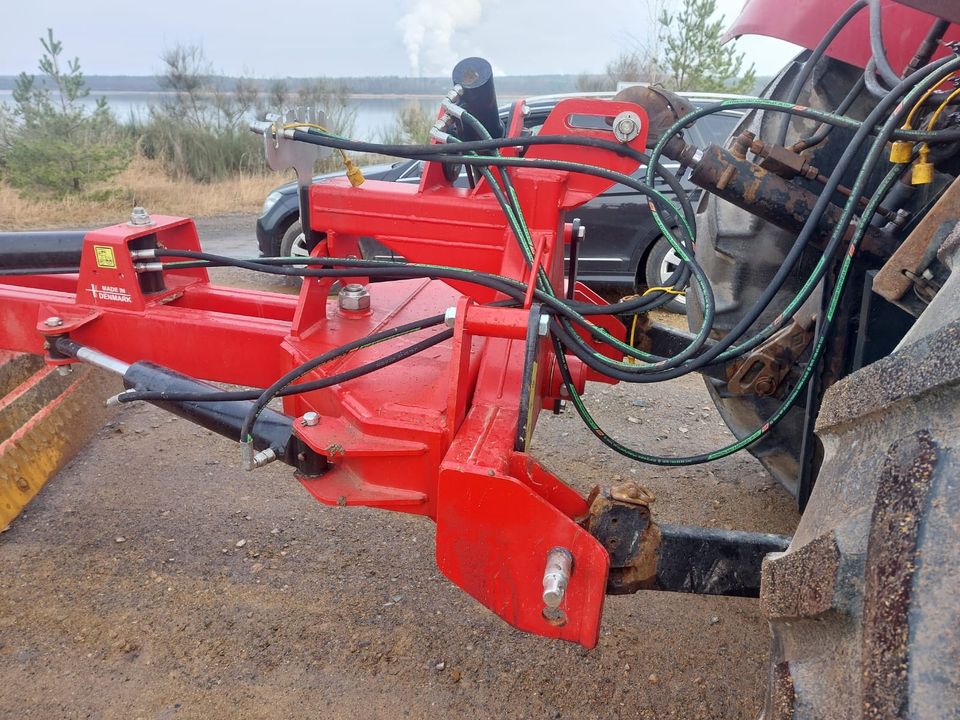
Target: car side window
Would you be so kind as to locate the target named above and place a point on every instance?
(717, 127)
(412, 174)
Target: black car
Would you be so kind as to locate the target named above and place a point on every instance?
(623, 248)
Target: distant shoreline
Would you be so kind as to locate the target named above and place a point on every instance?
(392, 97)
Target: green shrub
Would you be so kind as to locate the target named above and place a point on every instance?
(199, 153)
(54, 145)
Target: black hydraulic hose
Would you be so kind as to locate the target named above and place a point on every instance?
(271, 392)
(806, 233)
(825, 129)
(388, 269)
(338, 378)
(809, 65)
(385, 269)
(877, 50)
(881, 109)
(871, 82)
(679, 276)
(452, 152)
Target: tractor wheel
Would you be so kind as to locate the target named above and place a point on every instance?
(864, 606)
(740, 253)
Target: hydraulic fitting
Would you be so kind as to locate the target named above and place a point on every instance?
(901, 151)
(923, 169)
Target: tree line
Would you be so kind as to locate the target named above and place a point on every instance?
(53, 141)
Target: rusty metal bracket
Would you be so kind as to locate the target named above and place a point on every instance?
(677, 558)
(763, 370)
(915, 254)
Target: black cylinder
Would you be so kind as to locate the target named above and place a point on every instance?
(41, 250)
(475, 76)
(272, 429)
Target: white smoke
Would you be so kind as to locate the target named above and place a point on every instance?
(428, 30)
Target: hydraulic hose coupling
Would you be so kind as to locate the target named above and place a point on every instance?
(252, 460)
(440, 136)
(556, 575)
(246, 454)
(452, 109)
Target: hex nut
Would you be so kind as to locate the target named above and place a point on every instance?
(354, 297)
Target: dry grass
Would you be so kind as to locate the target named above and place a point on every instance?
(142, 183)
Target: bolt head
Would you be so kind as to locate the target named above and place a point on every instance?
(354, 297)
(139, 217)
(450, 317)
(53, 321)
(310, 419)
(626, 126)
(544, 325)
(765, 385)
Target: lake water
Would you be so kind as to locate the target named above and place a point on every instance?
(373, 116)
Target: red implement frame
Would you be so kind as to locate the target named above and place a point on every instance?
(434, 435)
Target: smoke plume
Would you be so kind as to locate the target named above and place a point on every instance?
(428, 30)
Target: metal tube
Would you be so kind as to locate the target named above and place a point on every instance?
(38, 250)
(92, 357)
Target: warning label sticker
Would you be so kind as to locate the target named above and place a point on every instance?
(104, 256)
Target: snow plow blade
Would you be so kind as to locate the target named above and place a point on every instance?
(45, 418)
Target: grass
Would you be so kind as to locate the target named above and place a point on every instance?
(144, 183)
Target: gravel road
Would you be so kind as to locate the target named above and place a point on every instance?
(152, 578)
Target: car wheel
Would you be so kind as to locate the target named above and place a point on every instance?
(662, 261)
(294, 244)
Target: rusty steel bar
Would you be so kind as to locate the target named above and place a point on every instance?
(770, 197)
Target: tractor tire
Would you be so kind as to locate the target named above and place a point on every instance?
(864, 606)
(740, 253)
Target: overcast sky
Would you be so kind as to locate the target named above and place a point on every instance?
(357, 37)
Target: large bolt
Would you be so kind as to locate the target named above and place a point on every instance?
(140, 217)
(626, 126)
(765, 385)
(556, 575)
(354, 297)
(310, 419)
(53, 321)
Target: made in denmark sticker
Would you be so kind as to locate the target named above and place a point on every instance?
(111, 293)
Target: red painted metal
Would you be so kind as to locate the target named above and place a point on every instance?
(808, 21)
(433, 435)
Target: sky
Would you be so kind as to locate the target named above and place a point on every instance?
(353, 38)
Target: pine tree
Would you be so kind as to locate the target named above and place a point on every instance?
(693, 56)
(55, 144)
